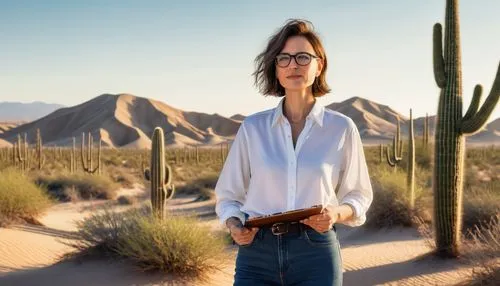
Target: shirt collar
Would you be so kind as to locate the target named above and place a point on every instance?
(317, 113)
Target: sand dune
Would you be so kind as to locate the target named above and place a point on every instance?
(4, 126)
(4, 143)
(125, 120)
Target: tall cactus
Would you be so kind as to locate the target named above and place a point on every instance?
(22, 152)
(72, 157)
(381, 153)
(87, 162)
(160, 175)
(451, 127)
(397, 149)
(39, 150)
(425, 135)
(410, 179)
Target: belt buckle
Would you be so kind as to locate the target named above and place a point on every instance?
(279, 228)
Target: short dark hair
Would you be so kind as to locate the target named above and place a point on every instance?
(265, 71)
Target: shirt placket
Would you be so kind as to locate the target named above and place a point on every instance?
(292, 155)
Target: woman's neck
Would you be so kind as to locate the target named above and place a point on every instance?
(297, 105)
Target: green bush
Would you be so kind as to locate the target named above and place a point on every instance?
(391, 204)
(481, 202)
(20, 198)
(174, 245)
(86, 186)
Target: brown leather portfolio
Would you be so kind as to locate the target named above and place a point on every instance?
(288, 216)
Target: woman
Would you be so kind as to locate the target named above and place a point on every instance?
(294, 156)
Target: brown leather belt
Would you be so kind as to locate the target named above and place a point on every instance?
(286, 227)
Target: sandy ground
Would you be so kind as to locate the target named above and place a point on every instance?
(28, 254)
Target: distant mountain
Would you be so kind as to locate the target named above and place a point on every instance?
(238, 117)
(374, 120)
(4, 126)
(125, 120)
(377, 122)
(489, 135)
(17, 111)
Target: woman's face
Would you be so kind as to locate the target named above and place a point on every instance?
(295, 77)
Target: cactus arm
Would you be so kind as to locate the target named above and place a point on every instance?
(168, 175)
(474, 105)
(170, 192)
(439, 73)
(474, 123)
(389, 161)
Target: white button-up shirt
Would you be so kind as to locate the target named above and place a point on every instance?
(264, 173)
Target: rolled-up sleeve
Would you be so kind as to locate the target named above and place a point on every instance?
(234, 179)
(355, 186)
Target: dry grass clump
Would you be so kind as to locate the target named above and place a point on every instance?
(391, 203)
(177, 244)
(66, 186)
(483, 252)
(20, 198)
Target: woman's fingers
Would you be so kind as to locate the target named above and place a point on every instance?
(244, 235)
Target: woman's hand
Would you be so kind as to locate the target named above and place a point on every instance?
(241, 235)
(324, 221)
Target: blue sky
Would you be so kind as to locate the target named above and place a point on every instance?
(198, 55)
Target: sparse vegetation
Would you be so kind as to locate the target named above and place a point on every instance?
(127, 200)
(20, 198)
(483, 252)
(170, 245)
(391, 203)
(66, 186)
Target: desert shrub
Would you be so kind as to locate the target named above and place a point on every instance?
(126, 200)
(87, 186)
(122, 176)
(391, 204)
(174, 245)
(20, 198)
(482, 251)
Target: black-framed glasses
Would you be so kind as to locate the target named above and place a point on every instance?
(302, 59)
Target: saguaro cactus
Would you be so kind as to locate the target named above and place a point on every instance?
(87, 162)
(451, 127)
(397, 149)
(22, 152)
(410, 178)
(425, 135)
(381, 153)
(72, 157)
(39, 150)
(160, 175)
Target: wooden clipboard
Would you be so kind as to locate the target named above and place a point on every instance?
(288, 216)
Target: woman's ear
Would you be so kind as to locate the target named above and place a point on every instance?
(320, 67)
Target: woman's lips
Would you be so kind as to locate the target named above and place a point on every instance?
(294, 76)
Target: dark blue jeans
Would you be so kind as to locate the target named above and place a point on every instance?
(308, 258)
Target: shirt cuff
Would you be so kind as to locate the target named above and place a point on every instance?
(359, 216)
(230, 213)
